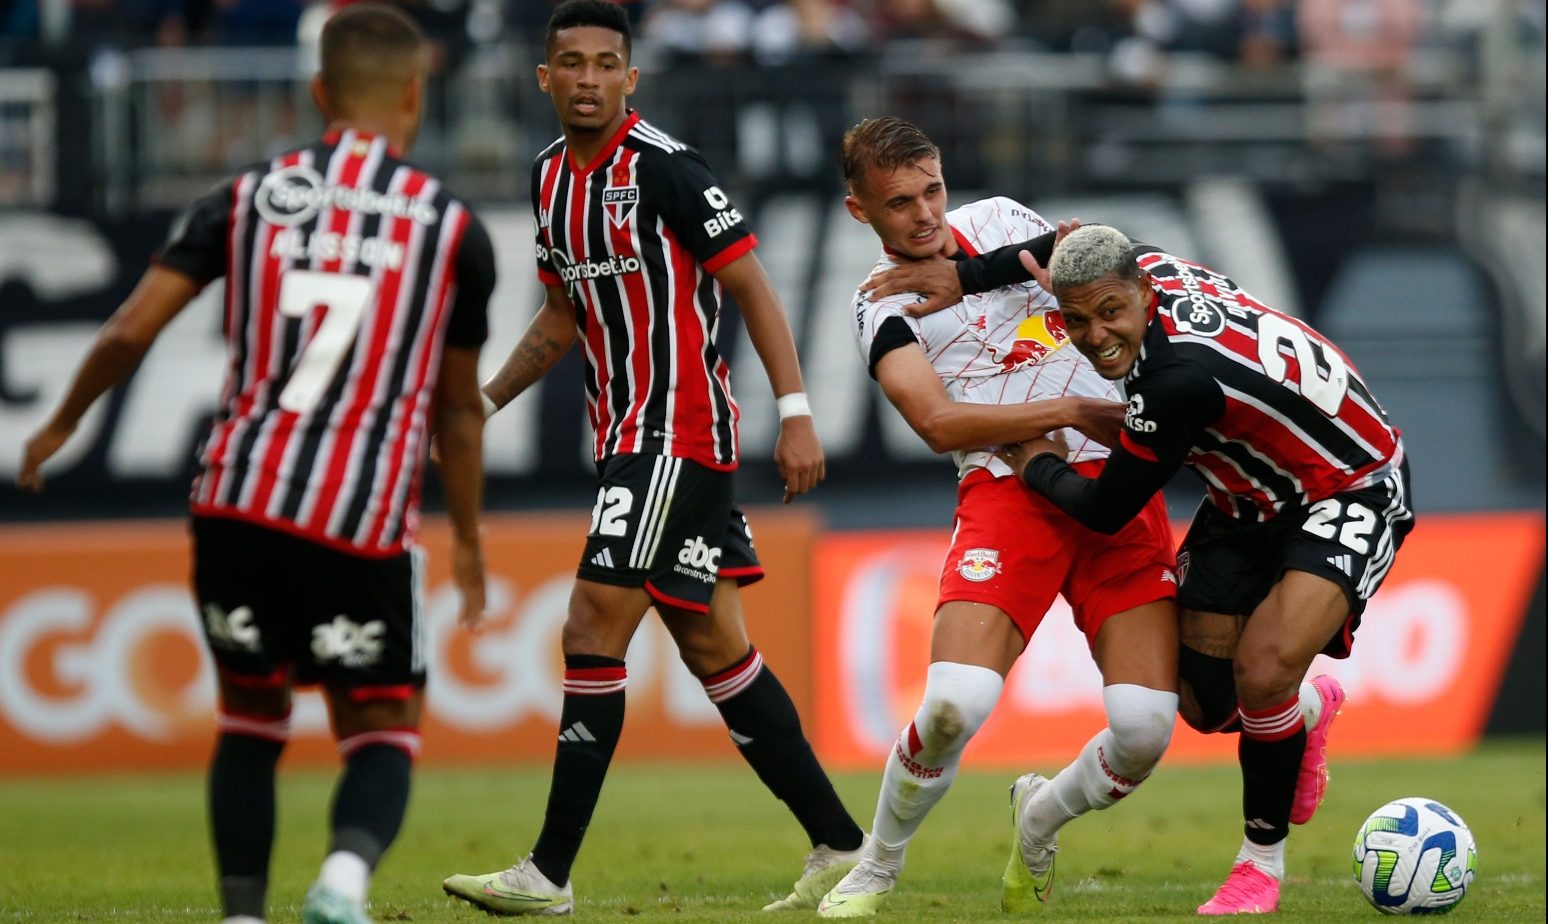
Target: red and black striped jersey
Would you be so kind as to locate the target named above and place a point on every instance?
(347, 272)
(1268, 411)
(635, 237)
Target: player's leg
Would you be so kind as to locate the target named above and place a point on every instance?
(377, 730)
(364, 642)
(232, 580)
(1122, 590)
(763, 722)
(972, 647)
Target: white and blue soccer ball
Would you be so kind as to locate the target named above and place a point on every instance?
(1414, 856)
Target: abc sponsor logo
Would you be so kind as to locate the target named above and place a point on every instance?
(698, 560)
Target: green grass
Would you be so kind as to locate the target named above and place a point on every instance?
(709, 844)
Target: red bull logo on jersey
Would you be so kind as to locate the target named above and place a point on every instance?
(979, 564)
(1036, 337)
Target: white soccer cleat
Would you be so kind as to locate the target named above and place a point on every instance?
(1029, 874)
(522, 889)
(821, 871)
(859, 894)
(325, 906)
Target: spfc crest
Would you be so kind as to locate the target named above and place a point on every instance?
(619, 202)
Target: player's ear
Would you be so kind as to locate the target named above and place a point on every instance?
(856, 210)
(631, 80)
(542, 76)
(320, 97)
(414, 96)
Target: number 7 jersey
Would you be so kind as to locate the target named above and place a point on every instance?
(1271, 413)
(347, 273)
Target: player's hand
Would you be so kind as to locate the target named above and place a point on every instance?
(1040, 272)
(1098, 418)
(935, 279)
(798, 456)
(1017, 455)
(468, 575)
(39, 449)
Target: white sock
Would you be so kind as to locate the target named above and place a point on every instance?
(347, 874)
(243, 919)
(1311, 704)
(1113, 763)
(1269, 858)
(923, 763)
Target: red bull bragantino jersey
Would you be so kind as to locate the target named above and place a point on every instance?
(1005, 346)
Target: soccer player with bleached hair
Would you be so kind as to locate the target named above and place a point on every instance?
(357, 288)
(993, 369)
(1306, 503)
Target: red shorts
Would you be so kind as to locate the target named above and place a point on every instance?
(1014, 550)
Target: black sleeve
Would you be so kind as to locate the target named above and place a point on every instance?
(681, 189)
(1163, 417)
(197, 245)
(1002, 266)
(893, 333)
(468, 325)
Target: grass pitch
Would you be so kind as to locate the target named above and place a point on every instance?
(709, 844)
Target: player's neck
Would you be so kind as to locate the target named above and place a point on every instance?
(586, 143)
(397, 139)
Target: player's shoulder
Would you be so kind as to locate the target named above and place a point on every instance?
(865, 310)
(554, 148)
(995, 221)
(658, 152)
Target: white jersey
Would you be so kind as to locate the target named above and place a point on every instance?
(1001, 347)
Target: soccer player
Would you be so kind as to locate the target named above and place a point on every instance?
(997, 368)
(1307, 502)
(636, 245)
(356, 292)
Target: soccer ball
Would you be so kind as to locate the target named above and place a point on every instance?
(1414, 856)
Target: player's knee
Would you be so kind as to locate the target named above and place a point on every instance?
(1141, 720)
(1209, 686)
(958, 699)
(1265, 673)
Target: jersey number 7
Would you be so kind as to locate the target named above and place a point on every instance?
(345, 296)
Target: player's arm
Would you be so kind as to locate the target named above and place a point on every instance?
(120, 346)
(549, 336)
(797, 452)
(1150, 450)
(944, 282)
(459, 434)
(910, 383)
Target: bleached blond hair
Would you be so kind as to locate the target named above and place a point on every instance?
(1090, 253)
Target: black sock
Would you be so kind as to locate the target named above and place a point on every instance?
(370, 800)
(1270, 750)
(589, 725)
(764, 724)
(241, 802)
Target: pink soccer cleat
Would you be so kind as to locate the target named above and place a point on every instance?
(1312, 784)
(1248, 890)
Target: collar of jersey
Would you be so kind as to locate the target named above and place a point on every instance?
(607, 150)
(965, 247)
(335, 136)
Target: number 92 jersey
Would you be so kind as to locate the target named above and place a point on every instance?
(1269, 412)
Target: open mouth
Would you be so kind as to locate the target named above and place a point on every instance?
(586, 105)
(1109, 354)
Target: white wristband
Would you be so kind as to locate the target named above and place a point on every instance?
(793, 405)
(489, 406)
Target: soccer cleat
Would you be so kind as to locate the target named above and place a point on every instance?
(1248, 890)
(859, 894)
(1029, 874)
(1312, 783)
(325, 906)
(823, 869)
(522, 889)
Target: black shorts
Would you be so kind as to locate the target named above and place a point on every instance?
(1227, 566)
(278, 609)
(667, 525)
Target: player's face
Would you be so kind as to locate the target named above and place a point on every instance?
(906, 207)
(587, 75)
(1106, 319)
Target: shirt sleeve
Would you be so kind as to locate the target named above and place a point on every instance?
(468, 325)
(1158, 429)
(893, 333)
(548, 275)
(197, 246)
(681, 189)
(1002, 266)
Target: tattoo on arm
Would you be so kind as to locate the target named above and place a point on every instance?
(533, 357)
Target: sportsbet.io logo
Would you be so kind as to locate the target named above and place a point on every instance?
(294, 195)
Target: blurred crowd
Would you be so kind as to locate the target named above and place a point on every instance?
(1371, 33)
